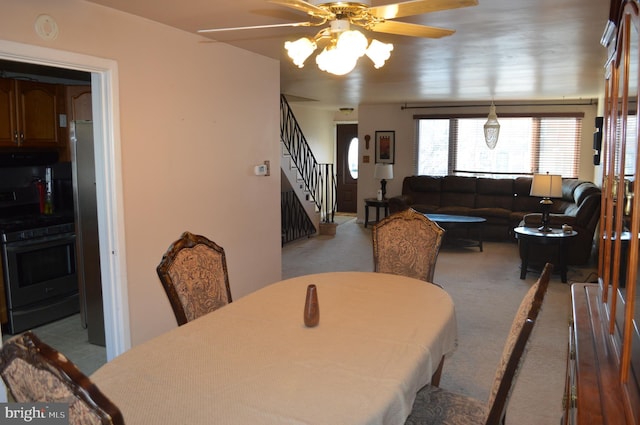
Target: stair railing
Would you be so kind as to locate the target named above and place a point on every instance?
(319, 179)
(295, 223)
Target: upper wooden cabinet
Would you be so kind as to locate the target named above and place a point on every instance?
(78, 109)
(32, 114)
(603, 385)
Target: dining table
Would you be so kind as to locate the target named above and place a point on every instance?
(379, 339)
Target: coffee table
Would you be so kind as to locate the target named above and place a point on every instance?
(450, 221)
(532, 236)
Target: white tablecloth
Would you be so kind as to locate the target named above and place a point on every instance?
(379, 340)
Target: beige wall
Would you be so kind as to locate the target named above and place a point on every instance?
(187, 154)
(318, 128)
(374, 118)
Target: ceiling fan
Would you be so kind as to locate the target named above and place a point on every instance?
(343, 45)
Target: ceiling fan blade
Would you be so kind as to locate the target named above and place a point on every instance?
(417, 7)
(255, 27)
(305, 7)
(412, 30)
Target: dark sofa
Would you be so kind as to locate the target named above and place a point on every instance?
(505, 204)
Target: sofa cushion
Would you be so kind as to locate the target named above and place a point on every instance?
(458, 191)
(495, 193)
(424, 190)
(522, 186)
(501, 213)
(454, 210)
(425, 208)
(487, 186)
(526, 203)
(568, 187)
(584, 190)
(424, 183)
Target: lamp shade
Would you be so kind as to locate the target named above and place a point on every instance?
(547, 185)
(383, 171)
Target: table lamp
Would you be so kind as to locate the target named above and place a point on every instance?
(546, 186)
(383, 172)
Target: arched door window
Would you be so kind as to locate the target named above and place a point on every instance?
(353, 158)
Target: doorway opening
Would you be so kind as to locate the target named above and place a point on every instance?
(347, 167)
(108, 177)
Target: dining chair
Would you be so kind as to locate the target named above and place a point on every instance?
(193, 272)
(407, 243)
(35, 372)
(434, 405)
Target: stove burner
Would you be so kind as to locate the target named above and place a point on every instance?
(30, 227)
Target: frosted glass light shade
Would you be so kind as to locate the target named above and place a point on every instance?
(336, 61)
(300, 50)
(353, 43)
(492, 128)
(344, 49)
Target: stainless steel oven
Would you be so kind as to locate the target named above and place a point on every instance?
(39, 271)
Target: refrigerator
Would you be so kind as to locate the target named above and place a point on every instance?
(87, 240)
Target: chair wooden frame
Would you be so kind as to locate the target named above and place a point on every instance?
(504, 380)
(187, 240)
(30, 349)
(498, 409)
(410, 216)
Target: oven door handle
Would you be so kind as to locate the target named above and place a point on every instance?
(40, 243)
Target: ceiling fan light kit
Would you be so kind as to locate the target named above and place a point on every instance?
(300, 50)
(345, 46)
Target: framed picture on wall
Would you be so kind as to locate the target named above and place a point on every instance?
(385, 147)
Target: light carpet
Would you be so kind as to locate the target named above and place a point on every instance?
(486, 289)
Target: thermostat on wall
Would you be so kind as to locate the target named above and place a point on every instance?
(262, 169)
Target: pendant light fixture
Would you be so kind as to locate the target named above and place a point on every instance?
(492, 128)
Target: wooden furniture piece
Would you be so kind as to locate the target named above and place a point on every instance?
(407, 243)
(466, 222)
(255, 362)
(35, 372)
(79, 108)
(604, 351)
(193, 273)
(556, 237)
(435, 405)
(377, 204)
(30, 114)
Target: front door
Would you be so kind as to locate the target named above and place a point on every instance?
(347, 167)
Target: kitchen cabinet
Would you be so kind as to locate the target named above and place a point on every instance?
(32, 114)
(603, 372)
(78, 109)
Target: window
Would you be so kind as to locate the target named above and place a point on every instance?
(353, 158)
(527, 144)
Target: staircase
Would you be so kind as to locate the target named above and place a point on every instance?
(313, 183)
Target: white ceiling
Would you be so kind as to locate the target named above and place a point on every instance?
(501, 50)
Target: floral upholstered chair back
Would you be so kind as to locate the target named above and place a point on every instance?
(407, 243)
(434, 405)
(516, 346)
(34, 372)
(194, 275)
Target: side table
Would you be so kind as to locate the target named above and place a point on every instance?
(377, 204)
(530, 235)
